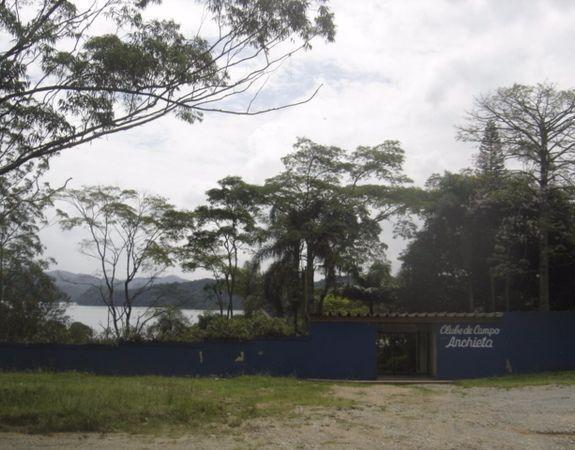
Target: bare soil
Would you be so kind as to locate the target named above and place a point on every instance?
(385, 416)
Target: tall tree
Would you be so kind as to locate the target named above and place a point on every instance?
(32, 309)
(480, 238)
(24, 199)
(127, 236)
(438, 265)
(490, 160)
(221, 230)
(375, 286)
(250, 286)
(30, 304)
(536, 125)
(326, 209)
(64, 83)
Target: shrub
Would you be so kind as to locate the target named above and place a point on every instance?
(170, 324)
(337, 304)
(78, 333)
(212, 326)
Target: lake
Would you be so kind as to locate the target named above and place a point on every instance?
(96, 317)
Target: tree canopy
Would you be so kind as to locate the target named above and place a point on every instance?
(127, 236)
(536, 126)
(72, 71)
(326, 209)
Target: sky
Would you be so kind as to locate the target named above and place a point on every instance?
(403, 70)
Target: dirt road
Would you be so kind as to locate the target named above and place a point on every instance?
(385, 416)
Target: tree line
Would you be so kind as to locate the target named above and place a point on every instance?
(72, 72)
(496, 236)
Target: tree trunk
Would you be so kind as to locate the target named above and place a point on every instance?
(544, 265)
(295, 317)
(308, 281)
(470, 296)
(492, 291)
(2, 283)
(329, 283)
(544, 220)
(507, 292)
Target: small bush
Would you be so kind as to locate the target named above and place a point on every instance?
(78, 333)
(243, 328)
(212, 326)
(170, 324)
(336, 304)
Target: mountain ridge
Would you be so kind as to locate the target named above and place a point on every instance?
(170, 290)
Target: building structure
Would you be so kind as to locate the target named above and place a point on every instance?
(435, 345)
(446, 345)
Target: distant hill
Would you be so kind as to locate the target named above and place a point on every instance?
(170, 290)
(72, 284)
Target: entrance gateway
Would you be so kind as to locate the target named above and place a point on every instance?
(403, 351)
(414, 345)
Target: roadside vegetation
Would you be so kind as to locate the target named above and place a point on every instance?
(518, 381)
(74, 402)
(172, 326)
(484, 239)
(45, 402)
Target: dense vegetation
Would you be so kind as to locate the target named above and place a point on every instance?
(69, 78)
(172, 326)
(314, 236)
(307, 240)
(49, 402)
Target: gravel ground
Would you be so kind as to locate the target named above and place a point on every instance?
(385, 416)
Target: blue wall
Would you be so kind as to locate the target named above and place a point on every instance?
(274, 357)
(343, 350)
(526, 342)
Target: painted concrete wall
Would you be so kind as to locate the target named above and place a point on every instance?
(521, 342)
(344, 350)
(274, 357)
(518, 343)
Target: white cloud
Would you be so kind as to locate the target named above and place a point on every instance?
(403, 70)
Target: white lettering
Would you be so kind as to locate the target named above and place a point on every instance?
(470, 336)
(471, 342)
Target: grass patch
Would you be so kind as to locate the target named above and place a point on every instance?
(423, 390)
(61, 402)
(517, 381)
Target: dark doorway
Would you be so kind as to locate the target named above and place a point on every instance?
(402, 353)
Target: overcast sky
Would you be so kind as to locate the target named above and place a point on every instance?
(399, 69)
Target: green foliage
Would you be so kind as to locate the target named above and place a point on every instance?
(325, 209)
(218, 327)
(219, 232)
(446, 266)
(78, 333)
(337, 304)
(478, 246)
(519, 381)
(127, 231)
(534, 125)
(63, 84)
(72, 402)
(170, 325)
(31, 309)
(29, 301)
(376, 287)
(250, 286)
(244, 328)
(490, 161)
